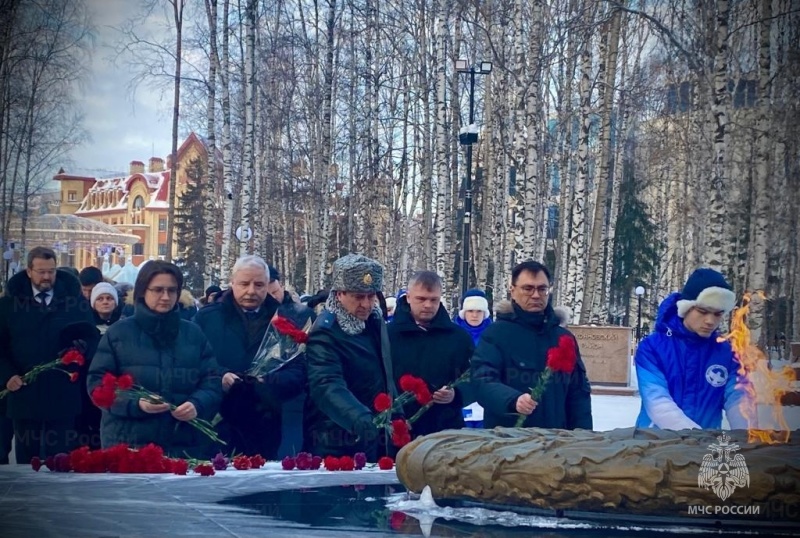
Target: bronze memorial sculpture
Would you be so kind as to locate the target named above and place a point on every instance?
(657, 473)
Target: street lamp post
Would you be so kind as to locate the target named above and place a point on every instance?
(639, 291)
(468, 136)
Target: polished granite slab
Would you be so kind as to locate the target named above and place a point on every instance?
(276, 503)
(47, 504)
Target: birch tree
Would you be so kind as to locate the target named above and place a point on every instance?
(761, 194)
(594, 301)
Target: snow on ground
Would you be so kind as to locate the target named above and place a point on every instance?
(424, 509)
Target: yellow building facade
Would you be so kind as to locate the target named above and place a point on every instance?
(136, 204)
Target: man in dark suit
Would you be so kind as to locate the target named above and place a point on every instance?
(34, 317)
(235, 325)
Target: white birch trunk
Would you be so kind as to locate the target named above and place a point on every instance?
(213, 193)
(601, 240)
(535, 188)
(442, 222)
(564, 162)
(227, 152)
(576, 271)
(248, 177)
(761, 209)
(323, 160)
(716, 255)
(519, 199)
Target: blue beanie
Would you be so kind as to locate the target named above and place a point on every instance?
(400, 293)
(708, 288)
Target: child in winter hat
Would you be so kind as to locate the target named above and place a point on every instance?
(474, 300)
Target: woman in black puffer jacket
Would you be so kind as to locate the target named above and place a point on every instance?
(167, 356)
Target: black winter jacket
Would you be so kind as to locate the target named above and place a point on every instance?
(438, 355)
(29, 336)
(167, 356)
(345, 373)
(252, 410)
(509, 359)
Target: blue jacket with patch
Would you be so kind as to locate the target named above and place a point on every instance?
(686, 380)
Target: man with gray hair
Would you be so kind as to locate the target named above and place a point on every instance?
(349, 364)
(235, 325)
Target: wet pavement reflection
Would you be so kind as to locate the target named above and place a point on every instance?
(359, 506)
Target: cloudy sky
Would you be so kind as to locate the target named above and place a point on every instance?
(123, 126)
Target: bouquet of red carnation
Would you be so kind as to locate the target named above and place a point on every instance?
(561, 358)
(282, 343)
(111, 386)
(413, 388)
(73, 339)
(424, 409)
(116, 459)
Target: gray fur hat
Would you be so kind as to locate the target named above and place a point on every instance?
(357, 273)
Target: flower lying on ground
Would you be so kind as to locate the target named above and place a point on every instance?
(303, 461)
(148, 459)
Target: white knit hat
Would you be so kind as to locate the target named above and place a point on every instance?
(100, 289)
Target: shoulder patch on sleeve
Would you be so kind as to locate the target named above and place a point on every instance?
(325, 320)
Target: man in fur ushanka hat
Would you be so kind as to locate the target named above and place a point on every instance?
(348, 363)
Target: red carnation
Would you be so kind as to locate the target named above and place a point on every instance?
(103, 396)
(332, 463)
(288, 463)
(287, 328)
(400, 433)
(304, 461)
(73, 356)
(399, 426)
(396, 520)
(73, 377)
(109, 380)
(36, 463)
(346, 463)
(400, 440)
(205, 469)
(125, 382)
(180, 467)
(382, 402)
(256, 462)
(409, 383)
(316, 462)
(563, 357)
(241, 463)
(423, 394)
(385, 463)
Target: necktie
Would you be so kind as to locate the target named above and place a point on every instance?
(42, 298)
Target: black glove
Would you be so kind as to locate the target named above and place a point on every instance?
(366, 430)
(80, 345)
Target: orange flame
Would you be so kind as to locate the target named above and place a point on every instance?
(766, 386)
